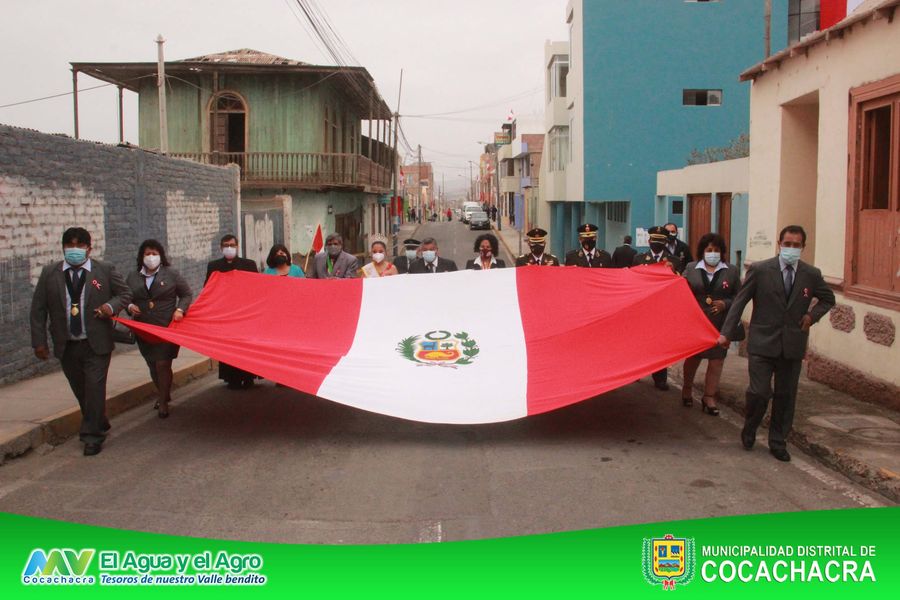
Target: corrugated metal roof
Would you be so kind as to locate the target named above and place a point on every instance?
(245, 56)
(869, 9)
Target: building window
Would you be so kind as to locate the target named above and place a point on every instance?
(617, 212)
(803, 19)
(677, 207)
(872, 268)
(558, 138)
(557, 72)
(701, 97)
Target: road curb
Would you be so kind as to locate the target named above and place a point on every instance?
(879, 480)
(57, 428)
(512, 255)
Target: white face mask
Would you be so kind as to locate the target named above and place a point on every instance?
(712, 258)
(411, 255)
(151, 261)
(429, 255)
(378, 257)
(229, 252)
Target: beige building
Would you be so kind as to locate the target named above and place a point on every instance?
(825, 154)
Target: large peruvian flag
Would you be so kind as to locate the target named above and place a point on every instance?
(464, 347)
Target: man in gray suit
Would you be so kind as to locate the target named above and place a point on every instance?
(782, 289)
(334, 263)
(79, 295)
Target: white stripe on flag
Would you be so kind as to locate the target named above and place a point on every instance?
(375, 376)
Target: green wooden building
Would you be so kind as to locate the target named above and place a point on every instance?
(313, 142)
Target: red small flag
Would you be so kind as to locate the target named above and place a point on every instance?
(318, 243)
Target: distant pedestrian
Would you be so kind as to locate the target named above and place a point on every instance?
(676, 247)
(430, 261)
(79, 295)
(537, 244)
(449, 215)
(588, 256)
(623, 256)
(494, 214)
(334, 263)
(279, 263)
(714, 283)
(782, 290)
(380, 266)
(659, 255)
(410, 253)
(159, 295)
(487, 247)
(230, 261)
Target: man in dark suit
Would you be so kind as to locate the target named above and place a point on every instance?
(410, 254)
(537, 243)
(334, 263)
(588, 256)
(230, 261)
(659, 254)
(782, 289)
(430, 261)
(677, 248)
(623, 256)
(79, 295)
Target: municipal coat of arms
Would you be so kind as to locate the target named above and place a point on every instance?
(668, 560)
(439, 348)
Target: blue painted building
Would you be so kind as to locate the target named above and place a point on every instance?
(649, 81)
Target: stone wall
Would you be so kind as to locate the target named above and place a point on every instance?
(122, 195)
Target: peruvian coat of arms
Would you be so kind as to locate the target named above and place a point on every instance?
(439, 348)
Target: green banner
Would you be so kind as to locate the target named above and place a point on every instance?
(827, 554)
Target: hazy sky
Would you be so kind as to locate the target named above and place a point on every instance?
(455, 55)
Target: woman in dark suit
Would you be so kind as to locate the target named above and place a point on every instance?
(715, 284)
(486, 247)
(159, 296)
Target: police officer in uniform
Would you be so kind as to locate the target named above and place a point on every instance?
(410, 254)
(588, 256)
(659, 254)
(537, 242)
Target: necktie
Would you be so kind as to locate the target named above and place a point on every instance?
(431, 267)
(788, 280)
(75, 320)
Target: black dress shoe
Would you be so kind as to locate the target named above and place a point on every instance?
(781, 454)
(661, 385)
(747, 440)
(92, 449)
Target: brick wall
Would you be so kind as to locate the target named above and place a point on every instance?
(121, 195)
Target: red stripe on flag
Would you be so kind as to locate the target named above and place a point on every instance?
(603, 328)
(293, 331)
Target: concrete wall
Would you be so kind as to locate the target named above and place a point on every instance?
(782, 102)
(122, 196)
(638, 56)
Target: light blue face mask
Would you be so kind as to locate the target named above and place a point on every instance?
(791, 256)
(429, 255)
(712, 258)
(75, 256)
(411, 255)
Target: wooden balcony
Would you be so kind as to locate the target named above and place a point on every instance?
(300, 169)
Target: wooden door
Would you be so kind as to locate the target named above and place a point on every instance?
(724, 221)
(699, 218)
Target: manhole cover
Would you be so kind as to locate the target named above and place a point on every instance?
(878, 434)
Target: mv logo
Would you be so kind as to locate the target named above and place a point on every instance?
(65, 562)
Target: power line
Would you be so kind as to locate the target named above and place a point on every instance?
(517, 96)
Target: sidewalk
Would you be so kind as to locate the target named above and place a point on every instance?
(855, 438)
(509, 239)
(43, 410)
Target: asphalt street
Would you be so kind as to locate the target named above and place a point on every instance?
(274, 464)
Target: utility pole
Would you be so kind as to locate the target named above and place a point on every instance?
(421, 200)
(768, 18)
(161, 86)
(395, 219)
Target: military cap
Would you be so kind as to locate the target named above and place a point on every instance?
(412, 243)
(536, 236)
(658, 234)
(588, 231)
